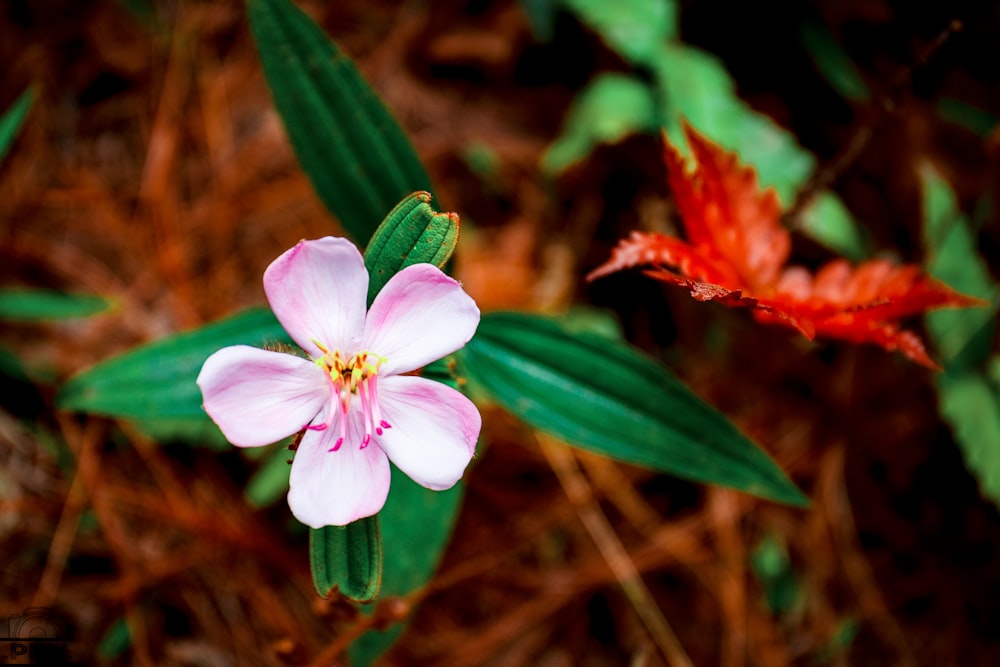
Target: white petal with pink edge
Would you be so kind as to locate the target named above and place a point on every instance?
(336, 488)
(433, 431)
(258, 397)
(419, 316)
(318, 291)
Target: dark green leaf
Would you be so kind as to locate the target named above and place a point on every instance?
(115, 641)
(833, 62)
(12, 119)
(973, 118)
(416, 524)
(270, 481)
(611, 399)
(412, 233)
(542, 17)
(348, 143)
(773, 570)
(347, 559)
(44, 304)
(157, 380)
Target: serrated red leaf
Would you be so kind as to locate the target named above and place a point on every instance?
(736, 253)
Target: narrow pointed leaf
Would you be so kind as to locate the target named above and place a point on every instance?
(954, 259)
(412, 233)
(347, 559)
(359, 160)
(609, 398)
(157, 380)
(11, 120)
(45, 304)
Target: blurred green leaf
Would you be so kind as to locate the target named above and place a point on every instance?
(142, 10)
(839, 643)
(973, 118)
(542, 17)
(828, 221)
(115, 641)
(412, 233)
(157, 381)
(270, 481)
(196, 430)
(347, 560)
(416, 524)
(695, 86)
(610, 108)
(954, 259)
(833, 62)
(968, 399)
(773, 569)
(358, 158)
(18, 303)
(633, 28)
(12, 119)
(972, 406)
(609, 398)
(12, 368)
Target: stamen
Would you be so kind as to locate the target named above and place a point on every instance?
(328, 422)
(346, 377)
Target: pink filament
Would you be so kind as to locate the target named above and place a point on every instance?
(371, 413)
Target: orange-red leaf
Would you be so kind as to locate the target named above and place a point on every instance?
(736, 253)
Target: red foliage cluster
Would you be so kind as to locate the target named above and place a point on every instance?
(737, 253)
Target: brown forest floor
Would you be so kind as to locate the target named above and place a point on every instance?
(154, 169)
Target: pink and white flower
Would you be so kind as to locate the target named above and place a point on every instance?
(352, 396)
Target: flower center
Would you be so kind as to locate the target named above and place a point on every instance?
(348, 377)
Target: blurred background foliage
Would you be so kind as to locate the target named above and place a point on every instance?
(148, 179)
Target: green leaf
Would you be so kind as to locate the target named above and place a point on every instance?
(116, 640)
(359, 160)
(416, 524)
(542, 17)
(270, 481)
(828, 221)
(633, 28)
(695, 86)
(42, 304)
(954, 259)
(973, 118)
(347, 559)
(833, 62)
(971, 404)
(157, 380)
(610, 108)
(12, 119)
(609, 398)
(12, 368)
(773, 569)
(412, 233)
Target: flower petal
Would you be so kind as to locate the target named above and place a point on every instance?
(434, 429)
(336, 488)
(318, 291)
(419, 316)
(258, 397)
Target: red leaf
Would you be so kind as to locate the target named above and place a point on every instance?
(737, 250)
